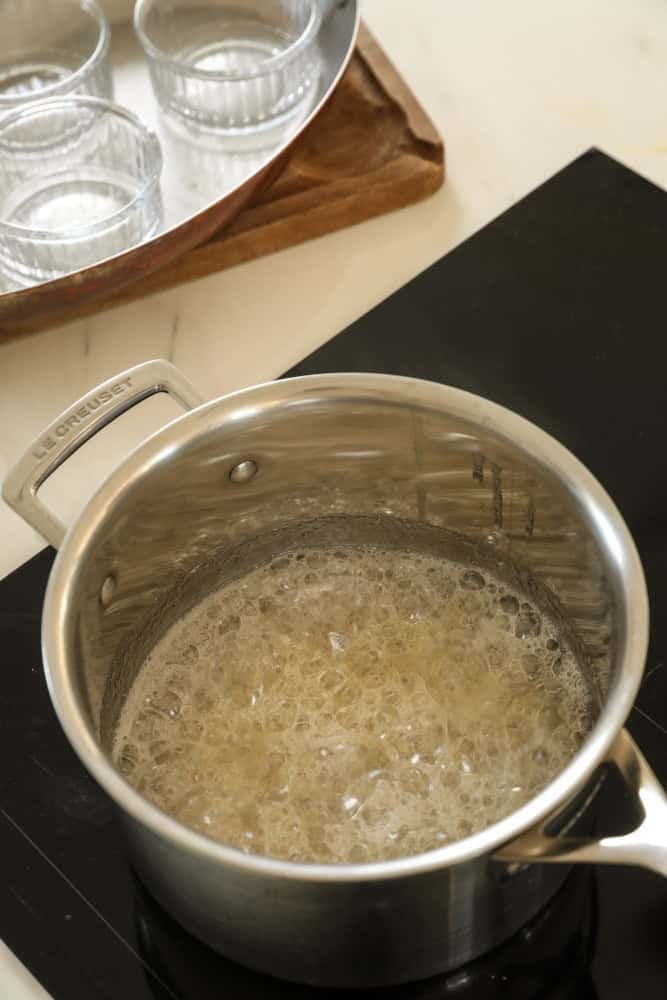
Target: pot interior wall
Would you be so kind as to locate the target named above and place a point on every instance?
(364, 467)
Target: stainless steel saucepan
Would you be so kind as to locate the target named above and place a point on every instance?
(275, 456)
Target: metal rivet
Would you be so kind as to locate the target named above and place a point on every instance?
(107, 591)
(244, 471)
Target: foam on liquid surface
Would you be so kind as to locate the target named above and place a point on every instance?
(352, 704)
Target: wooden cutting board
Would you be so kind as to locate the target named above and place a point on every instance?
(372, 150)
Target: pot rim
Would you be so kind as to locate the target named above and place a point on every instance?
(523, 435)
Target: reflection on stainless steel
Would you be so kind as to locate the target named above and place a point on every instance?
(202, 171)
(548, 959)
(645, 846)
(357, 450)
(197, 173)
(77, 425)
(244, 471)
(203, 186)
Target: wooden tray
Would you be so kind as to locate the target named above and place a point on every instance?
(372, 150)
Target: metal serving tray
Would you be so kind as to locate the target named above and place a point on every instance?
(202, 188)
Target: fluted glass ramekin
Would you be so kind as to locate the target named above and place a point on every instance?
(79, 182)
(50, 48)
(244, 69)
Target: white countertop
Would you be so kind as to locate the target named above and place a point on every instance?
(517, 90)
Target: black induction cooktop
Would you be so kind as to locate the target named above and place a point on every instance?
(557, 310)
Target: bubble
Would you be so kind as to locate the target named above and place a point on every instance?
(127, 759)
(530, 663)
(239, 694)
(167, 702)
(169, 755)
(351, 705)
(337, 642)
(528, 623)
(345, 696)
(509, 604)
(203, 700)
(331, 679)
(229, 624)
(472, 580)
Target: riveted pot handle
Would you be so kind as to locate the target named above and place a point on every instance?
(78, 424)
(645, 846)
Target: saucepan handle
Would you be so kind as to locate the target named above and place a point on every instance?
(78, 424)
(645, 846)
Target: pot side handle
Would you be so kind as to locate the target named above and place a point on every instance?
(645, 846)
(78, 424)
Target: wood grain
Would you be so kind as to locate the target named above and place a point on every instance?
(372, 150)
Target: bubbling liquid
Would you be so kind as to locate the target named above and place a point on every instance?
(351, 705)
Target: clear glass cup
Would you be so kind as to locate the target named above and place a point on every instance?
(245, 70)
(49, 48)
(79, 182)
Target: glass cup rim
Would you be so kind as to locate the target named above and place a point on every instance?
(98, 53)
(142, 7)
(109, 107)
